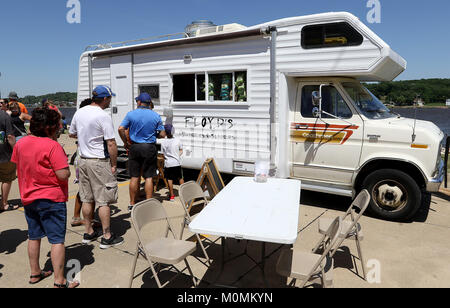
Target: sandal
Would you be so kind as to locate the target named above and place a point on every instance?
(68, 285)
(41, 277)
(11, 207)
(77, 222)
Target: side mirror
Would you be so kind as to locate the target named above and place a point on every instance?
(316, 98)
(316, 112)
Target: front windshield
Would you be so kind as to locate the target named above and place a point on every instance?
(367, 103)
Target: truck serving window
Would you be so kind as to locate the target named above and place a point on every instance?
(184, 88)
(330, 35)
(332, 102)
(210, 87)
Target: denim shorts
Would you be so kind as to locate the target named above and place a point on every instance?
(47, 219)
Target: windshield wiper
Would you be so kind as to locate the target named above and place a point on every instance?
(393, 112)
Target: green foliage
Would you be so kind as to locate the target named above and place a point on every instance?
(59, 98)
(405, 92)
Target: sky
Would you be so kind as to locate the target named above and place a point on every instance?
(40, 50)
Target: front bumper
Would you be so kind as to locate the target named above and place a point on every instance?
(434, 184)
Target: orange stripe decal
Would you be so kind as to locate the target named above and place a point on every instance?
(321, 133)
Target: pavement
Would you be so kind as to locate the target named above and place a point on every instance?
(410, 255)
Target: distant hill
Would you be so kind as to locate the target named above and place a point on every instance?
(405, 92)
(59, 98)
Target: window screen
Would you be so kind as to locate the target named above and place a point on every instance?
(221, 86)
(330, 35)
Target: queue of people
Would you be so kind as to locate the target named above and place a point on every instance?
(13, 115)
(43, 170)
(40, 164)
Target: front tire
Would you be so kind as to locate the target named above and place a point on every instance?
(395, 195)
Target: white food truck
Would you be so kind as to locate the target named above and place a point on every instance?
(287, 91)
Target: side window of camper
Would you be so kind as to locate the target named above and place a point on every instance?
(231, 86)
(184, 88)
(210, 87)
(153, 90)
(332, 102)
(220, 87)
(330, 35)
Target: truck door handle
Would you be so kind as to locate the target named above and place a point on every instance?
(115, 110)
(303, 126)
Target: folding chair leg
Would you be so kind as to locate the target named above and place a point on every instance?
(194, 280)
(358, 245)
(335, 249)
(292, 283)
(183, 225)
(322, 278)
(155, 275)
(133, 267)
(203, 249)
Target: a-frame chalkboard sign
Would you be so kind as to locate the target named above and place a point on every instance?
(210, 176)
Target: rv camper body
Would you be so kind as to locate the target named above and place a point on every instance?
(286, 91)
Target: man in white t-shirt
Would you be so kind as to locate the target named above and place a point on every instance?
(172, 150)
(98, 164)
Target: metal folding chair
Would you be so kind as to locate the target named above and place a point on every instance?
(311, 267)
(351, 229)
(191, 194)
(162, 250)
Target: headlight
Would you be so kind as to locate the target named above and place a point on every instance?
(442, 147)
(439, 155)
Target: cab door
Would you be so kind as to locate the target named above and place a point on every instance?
(325, 149)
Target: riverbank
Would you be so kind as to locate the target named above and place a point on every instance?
(443, 106)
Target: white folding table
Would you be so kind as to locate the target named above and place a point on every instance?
(247, 210)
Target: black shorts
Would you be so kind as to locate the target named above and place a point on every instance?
(143, 160)
(173, 174)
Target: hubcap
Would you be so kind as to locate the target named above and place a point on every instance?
(390, 195)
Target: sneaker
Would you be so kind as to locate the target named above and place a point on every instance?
(113, 241)
(130, 208)
(89, 238)
(172, 198)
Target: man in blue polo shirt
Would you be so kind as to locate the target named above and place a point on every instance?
(144, 126)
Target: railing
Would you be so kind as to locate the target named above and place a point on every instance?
(96, 47)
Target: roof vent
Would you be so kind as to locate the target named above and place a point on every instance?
(192, 29)
(204, 27)
(220, 29)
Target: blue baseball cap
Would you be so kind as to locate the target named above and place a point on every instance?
(168, 128)
(144, 98)
(102, 92)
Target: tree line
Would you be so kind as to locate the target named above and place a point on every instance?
(406, 92)
(59, 98)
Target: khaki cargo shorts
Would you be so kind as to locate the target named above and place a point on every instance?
(7, 172)
(97, 183)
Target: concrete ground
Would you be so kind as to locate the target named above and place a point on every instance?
(408, 255)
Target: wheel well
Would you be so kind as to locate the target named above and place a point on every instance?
(406, 167)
